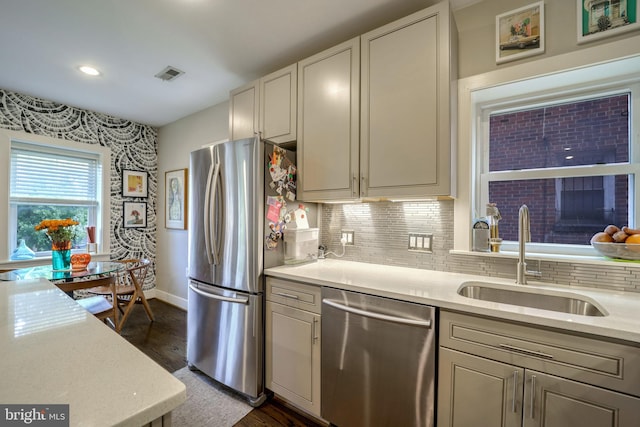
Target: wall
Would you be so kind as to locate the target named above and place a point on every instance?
(381, 228)
(175, 141)
(132, 145)
(476, 33)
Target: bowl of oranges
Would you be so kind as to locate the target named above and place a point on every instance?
(616, 242)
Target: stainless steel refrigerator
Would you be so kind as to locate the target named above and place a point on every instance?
(234, 189)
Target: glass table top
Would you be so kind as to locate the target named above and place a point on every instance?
(95, 268)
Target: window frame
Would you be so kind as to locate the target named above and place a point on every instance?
(8, 211)
(533, 99)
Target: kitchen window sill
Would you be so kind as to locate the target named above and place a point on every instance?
(34, 262)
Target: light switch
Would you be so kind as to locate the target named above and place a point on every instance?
(420, 242)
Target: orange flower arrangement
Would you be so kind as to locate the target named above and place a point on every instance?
(59, 230)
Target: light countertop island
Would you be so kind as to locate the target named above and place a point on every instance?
(440, 288)
(52, 351)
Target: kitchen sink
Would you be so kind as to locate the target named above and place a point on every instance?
(564, 302)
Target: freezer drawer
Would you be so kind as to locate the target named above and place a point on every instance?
(225, 337)
(378, 361)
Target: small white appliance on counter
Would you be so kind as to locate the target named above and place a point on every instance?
(300, 245)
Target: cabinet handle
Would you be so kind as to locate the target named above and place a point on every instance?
(515, 391)
(354, 190)
(314, 334)
(525, 351)
(282, 294)
(362, 181)
(533, 396)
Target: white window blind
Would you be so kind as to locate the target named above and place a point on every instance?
(44, 174)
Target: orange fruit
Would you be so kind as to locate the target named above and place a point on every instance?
(633, 239)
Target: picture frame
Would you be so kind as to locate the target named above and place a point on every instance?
(520, 33)
(597, 20)
(134, 183)
(134, 214)
(176, 200)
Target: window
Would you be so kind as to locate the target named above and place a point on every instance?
(52, 182)
(567, 157)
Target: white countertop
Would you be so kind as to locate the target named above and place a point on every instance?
(439, 288)
(52, 351)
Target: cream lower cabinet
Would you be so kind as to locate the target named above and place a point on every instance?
(479, 392)
(476, 390)
(267, 105)
(292, 345)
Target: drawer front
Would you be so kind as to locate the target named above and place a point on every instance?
(596, 361)
(294, 294)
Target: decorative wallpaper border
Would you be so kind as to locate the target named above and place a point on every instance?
(133, 146)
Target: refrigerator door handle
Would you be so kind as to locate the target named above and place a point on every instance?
(220, 220)
(211, 242)
(244, 301)
(207, 213)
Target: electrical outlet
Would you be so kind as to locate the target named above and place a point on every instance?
(348, 237)
(420, 242)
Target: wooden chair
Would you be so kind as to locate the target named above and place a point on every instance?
(103, 308)
(128, 289)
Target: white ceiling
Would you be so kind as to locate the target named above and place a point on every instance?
(219, 44)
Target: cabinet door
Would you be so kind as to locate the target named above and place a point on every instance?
(552, 401)
(406, 122)
(278, 100)
(328, 117)
(293, 355)
(478, 392)
(243, 111)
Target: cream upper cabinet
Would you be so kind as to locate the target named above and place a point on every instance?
(407, 83)
(390, 134)
(278, 100)
(328, 123)
(243, 111)
(266, 105)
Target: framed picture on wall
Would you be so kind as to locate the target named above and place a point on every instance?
(604, 18)
(134, 215)
(134, 183)
(520, 33)
(175, 199)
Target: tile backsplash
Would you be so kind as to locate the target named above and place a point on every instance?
(381, 236)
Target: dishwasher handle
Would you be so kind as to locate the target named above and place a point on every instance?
(380, 316)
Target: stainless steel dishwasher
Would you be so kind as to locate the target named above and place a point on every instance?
(378, 361)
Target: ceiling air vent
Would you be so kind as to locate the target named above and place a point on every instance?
(169, 73)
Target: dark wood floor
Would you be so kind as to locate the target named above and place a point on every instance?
(165, 341)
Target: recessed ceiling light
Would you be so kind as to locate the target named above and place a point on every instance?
(89, 70)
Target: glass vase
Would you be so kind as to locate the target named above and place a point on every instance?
(22, 252)
(61, 256)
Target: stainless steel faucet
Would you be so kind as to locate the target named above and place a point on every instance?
(524, 235)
